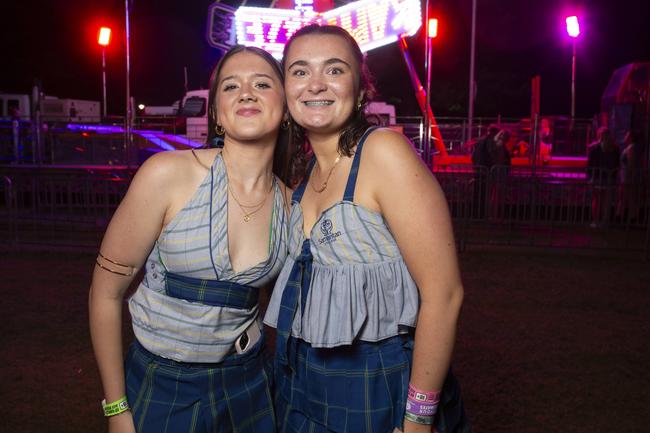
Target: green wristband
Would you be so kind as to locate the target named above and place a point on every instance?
(418, 419)
(116, 407)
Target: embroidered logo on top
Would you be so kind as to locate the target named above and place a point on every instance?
(326, 228)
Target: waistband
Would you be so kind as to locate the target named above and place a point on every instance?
(358, 347)
(231, 360)
(211, 292)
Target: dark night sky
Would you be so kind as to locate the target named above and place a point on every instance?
(55, 41)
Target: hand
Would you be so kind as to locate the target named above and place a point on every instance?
(122, 423)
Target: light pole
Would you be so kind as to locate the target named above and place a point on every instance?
(432, 32)
(129, 107)
(472, 82)
(103, 39)
(573, 29)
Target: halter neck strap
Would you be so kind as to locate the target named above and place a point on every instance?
(354, 171)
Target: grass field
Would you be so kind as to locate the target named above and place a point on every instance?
(547, 342)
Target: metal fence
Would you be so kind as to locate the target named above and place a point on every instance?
(567, 138)
(64, 208)
(61, 145)
(547, 207)
(514, 206)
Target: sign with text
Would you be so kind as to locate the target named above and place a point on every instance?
(373, 23)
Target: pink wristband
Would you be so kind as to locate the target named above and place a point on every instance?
(423, 396)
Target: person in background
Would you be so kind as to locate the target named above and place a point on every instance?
(483, 159)
(500, 154)
(367, 303)
(484, 149)
(602, 165)
(208, 228)
(631, 177)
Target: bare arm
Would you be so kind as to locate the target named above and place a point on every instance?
(128, 240)
(416, 211)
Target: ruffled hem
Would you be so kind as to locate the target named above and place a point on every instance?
(351, 301)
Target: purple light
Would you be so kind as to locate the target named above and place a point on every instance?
(572, 26)
(160, 139)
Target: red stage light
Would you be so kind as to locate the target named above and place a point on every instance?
(433, 27)
(104, 36)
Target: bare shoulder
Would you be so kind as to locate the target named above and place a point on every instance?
(166, 168)
(390, 152)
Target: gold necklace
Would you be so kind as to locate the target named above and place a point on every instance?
(256, 207)
(327, 179)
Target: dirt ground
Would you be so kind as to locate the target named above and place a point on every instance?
(548, 341)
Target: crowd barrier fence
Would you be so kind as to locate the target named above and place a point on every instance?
(510, 206)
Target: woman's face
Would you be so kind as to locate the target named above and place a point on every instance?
(321, 77)
(250, 98)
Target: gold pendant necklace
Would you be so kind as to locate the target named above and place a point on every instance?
(327, 179)
(256, 207)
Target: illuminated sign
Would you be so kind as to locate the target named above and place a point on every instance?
(221, 29)
(269, 29)
(373, 23)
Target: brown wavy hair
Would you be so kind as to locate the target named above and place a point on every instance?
(282, 154)
(357, 123)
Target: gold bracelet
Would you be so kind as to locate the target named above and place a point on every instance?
(131, 269)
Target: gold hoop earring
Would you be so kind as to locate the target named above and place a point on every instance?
(359, 106)
(219, 129)
(285, 124)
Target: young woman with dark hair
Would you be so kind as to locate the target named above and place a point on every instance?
(371, 255)
(208, 227)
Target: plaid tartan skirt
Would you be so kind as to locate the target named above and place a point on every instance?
(361, 388)
(231, 396)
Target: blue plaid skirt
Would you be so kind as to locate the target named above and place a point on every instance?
(361, 388)
(231, 396)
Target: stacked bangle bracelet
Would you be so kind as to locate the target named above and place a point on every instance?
(421, 406)
(116, 407)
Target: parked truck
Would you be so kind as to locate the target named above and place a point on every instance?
(52, 109)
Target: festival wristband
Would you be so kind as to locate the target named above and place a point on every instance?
(418, 419)
(116, 407)
(419, 408)
(427, 397)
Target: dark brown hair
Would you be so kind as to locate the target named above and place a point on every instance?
(282, 154)
(357, 123)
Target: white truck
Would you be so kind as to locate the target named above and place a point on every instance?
(52, 109)
(194, 107)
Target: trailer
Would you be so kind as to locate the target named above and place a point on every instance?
(14, 106)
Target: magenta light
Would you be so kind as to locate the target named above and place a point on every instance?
(572, 26)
